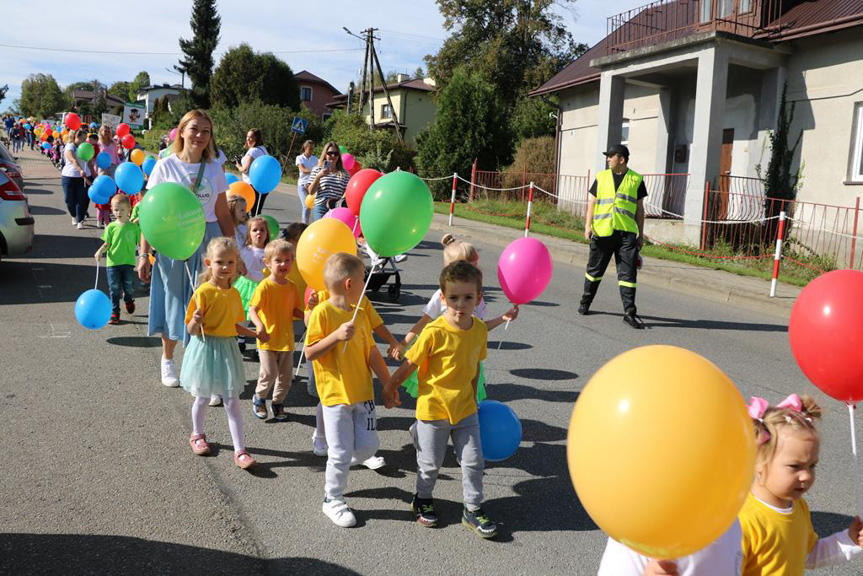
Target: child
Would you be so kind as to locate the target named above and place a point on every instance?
(272, 309)
(120, 240)
(778, 538)
(448, 353)
(238, 209)
(252, 264)
(212, 364)
(344, 379)
(454, 250)
(292, 233)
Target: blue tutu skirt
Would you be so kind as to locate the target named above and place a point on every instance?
(213, 366)
(412, 384)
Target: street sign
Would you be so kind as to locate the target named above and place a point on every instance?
(299, 125)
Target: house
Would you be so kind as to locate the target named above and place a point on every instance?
(693, 87)
(88, 97)
(315, 93)
(412, 102)
(149, 95)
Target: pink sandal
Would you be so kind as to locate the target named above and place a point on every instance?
(199, 444)
(244, 460)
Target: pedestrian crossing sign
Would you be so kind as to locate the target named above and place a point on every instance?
(299, 125)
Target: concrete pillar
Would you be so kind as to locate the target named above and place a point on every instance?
(663, 130)
(772, 83)
(706, 148)
(610, 121)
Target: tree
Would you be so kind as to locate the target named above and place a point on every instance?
(532, 118)
(142, 80)
(41, 96)
(516, 45)
(197, 62)
(470, 124)
(120, 89)
(244, 76)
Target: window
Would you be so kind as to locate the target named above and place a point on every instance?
(724, 8)
(706, 11)
(306, 93)
(386, 111)
(857, 145)
(745, 6)
(624, 132)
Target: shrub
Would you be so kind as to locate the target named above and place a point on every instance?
(536, 157)
(379, 149)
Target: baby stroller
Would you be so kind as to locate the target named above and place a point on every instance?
(381, 271)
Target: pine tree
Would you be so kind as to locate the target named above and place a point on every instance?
(198, 60)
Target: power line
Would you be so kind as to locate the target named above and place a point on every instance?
(76, 51)
(411, 35)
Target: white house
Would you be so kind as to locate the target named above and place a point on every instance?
(149, 95)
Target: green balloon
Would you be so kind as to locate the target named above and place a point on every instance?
(272, 224)
(396, 213)
(343, 149)
(86, 152)
(172, 220)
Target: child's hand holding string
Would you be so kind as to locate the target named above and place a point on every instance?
(345, 332)
(197, 323)
(511, 314)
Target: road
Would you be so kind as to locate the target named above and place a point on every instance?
(99, 477)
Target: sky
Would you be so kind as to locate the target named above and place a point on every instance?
(306, 38)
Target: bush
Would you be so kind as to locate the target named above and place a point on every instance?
(379, 149)
(534, 156)
(150, 139)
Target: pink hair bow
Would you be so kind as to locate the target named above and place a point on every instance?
(793, 402)
(758, 406)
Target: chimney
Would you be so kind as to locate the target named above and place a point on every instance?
(401, 78)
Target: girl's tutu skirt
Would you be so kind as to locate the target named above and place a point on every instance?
(214, 366)
(246, 288)
(412, 384)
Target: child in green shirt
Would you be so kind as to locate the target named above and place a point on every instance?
(121, 237)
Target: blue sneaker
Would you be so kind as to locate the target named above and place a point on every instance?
(259, 408)
(478, 522)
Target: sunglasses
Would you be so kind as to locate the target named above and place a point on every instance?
(332, 153)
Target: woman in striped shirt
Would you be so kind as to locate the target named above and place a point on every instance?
(329, 180)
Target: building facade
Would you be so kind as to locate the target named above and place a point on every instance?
(316, 93)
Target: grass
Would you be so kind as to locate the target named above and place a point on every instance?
(547, 219)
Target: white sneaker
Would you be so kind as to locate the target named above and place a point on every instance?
(215, 400)
(373, 463)
(339, 513)
(399, 258)
(80, 226)
(319, 446)
(74, 221)
(169, 374)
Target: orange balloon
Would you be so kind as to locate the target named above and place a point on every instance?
(661, 450)
(243, 190)
(319, 241)
(137, 156)
(310, 201)
(152, 259)
(55, 134)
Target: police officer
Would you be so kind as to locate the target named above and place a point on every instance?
(615, 226)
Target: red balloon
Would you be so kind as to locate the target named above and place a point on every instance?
(355, 168)
(122, 130)
(308, 294)
(826, 334)
(73, 121)
(128, 141)
(357, 187)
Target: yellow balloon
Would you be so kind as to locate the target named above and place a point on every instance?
(319, 241)
(310, 201)
(137, 156)
(661, 450)
(55, 134)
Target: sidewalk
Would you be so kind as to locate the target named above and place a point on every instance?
(717, 285)
(35, 166)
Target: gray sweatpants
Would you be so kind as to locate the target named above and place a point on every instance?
(351, 430)
(431, 441)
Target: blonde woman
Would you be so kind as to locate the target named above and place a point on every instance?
(107, 145)
(193, 163)
(329, 180)
(75, 178)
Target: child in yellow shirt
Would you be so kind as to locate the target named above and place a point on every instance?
(344, 355)
(447, 355)
(274, 305)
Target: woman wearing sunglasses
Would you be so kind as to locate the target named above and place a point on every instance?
(329, 180)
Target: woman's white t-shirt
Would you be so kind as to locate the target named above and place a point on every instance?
(436, 307)
(308, 164)
(213, 183)
(255, 152)
(69, 168)
(253, 258)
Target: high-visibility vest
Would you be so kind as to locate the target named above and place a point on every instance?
(615, 209)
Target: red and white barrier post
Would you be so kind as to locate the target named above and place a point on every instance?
(452, 199)
(777, 256)
(529, 204)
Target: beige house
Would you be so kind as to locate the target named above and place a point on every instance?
(693, 87)
(412, 102)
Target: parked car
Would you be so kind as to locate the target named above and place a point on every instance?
(16, 222)
(10, 167)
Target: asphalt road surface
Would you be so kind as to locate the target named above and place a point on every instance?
(98, 476)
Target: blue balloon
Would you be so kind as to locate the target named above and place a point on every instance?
(102, 189)
(148, 164)
(129, 178)
(103, 160)
(93, 124)
(265, 173)
(27, 126)
(231, 178)
(499, 430)
(46, 145)
(93, 309)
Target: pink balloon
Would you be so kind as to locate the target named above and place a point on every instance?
(348, 161)
(348, 217)
(524, 270)
(173, 134)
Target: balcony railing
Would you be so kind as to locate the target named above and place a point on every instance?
(667, 20)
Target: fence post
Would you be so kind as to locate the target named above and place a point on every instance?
(854, 232)
(523, 180)
(472, 180)
(452, 200)
(529, 204)
(704, 216)
(777, 256)
(587, 194)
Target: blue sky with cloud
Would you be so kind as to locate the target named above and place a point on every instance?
(305, 37)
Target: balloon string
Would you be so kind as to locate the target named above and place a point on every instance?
(195, 296)
(851, 409)
(96, 286)
(360, 301)
(302, 355)
(499, 344)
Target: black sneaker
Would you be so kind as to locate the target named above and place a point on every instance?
(115, 317)
(479, 523)
(130, 307)
(584, 308)
(634, 321)
(424, 510)
(279, 414)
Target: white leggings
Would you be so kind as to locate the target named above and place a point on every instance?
(235, 419)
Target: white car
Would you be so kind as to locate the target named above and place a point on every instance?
(16, 222)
